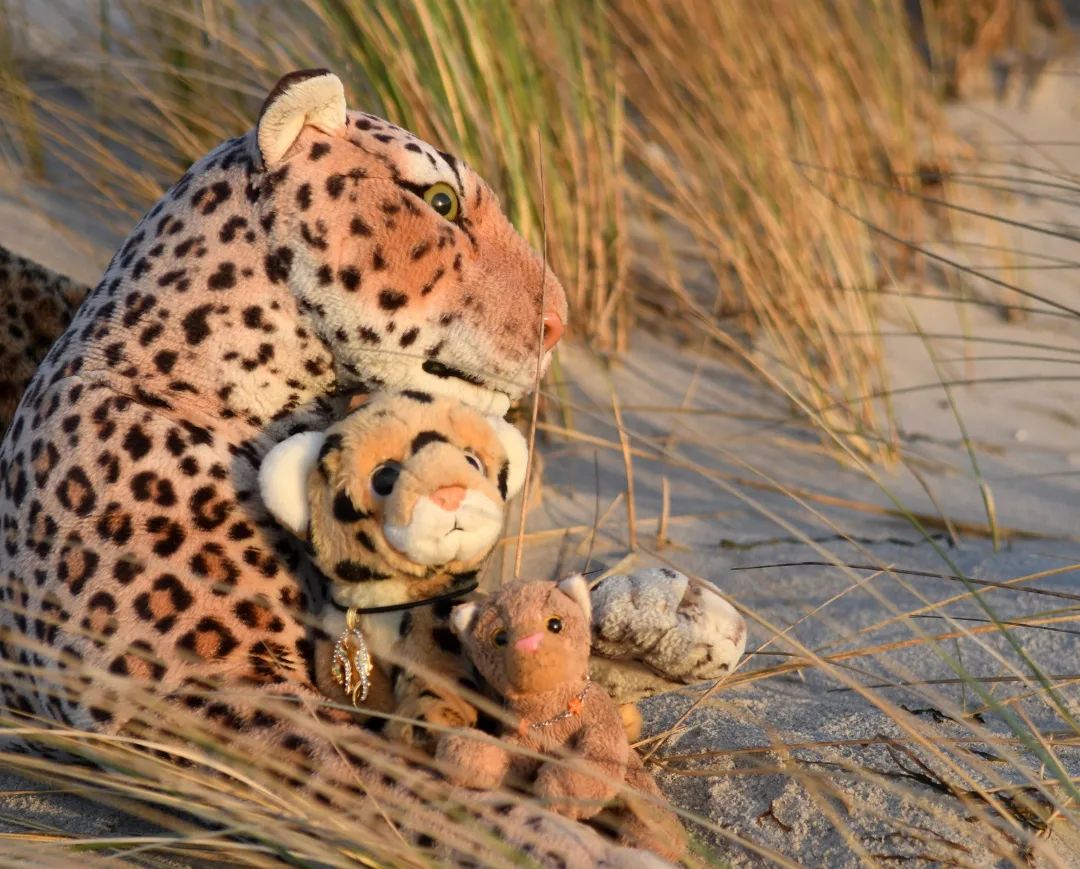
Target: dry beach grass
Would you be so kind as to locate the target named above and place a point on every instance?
(777, 185)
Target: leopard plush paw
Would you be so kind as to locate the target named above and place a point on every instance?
(683, 630)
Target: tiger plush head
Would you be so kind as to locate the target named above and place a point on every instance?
(401, 500)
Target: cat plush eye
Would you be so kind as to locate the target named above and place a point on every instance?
(500, 637)
(554, 624)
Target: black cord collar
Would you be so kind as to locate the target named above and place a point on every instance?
(412, 604)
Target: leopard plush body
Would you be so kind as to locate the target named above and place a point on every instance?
(324, 253)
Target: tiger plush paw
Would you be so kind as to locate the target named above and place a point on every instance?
(425, 709)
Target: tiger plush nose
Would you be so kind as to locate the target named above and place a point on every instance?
(448, 497)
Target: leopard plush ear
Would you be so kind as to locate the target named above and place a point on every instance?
(517, 453)
(577, 589)
(283, 478)
(313, 97)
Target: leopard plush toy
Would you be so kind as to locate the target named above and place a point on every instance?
(401, 502)
(322, 253)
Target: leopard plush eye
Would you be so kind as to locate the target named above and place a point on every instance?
(554, 624)
(443, 198)
(500, 638)
(474, 460)
(384, 477)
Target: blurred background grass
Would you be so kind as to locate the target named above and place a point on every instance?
(740, 170)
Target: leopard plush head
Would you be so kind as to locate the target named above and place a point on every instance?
(528, 637)
(399, 253)
(401, 500)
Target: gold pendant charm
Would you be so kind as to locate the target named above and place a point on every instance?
(352, 662)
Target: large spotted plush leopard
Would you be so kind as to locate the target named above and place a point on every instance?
(323, 253)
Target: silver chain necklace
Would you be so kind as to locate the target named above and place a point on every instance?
(572, 708)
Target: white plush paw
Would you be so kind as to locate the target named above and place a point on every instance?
(683, 630)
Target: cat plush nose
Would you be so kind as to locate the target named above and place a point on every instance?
(448, 497)
(530, 643)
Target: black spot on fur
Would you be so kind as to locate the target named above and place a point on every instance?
(164, 361)
(354, 571)
(137, 443)
(391, 300)
(425, 438)
(350, 278)
(335, 185)
(345, 510)
(216, 640)
(196, 328)
(231, 226)
(446, 640)
(504, 473)
(278, 265)
(224, 278)
(364, 540)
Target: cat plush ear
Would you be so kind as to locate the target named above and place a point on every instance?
(517, 454)
(576, 588)
(462, 616)
(283, 478)
(307, 97)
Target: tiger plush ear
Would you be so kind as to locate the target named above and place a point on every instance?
(283, 478)
(517, 453)
(311, 97)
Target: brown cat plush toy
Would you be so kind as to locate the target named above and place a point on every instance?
(531, 642)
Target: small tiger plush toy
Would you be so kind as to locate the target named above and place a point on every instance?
(401, 501)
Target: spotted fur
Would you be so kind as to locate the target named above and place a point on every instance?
(242, 306)
(37, 306)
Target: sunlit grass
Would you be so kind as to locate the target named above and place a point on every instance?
(693, 164)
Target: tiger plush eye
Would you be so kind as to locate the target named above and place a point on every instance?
(500, 638)
(443, 198)
(474, 460)
(384, 477)
(554, 624)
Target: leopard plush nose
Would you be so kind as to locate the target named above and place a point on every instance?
(553, 329)
(448, 497)
(530, 643)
